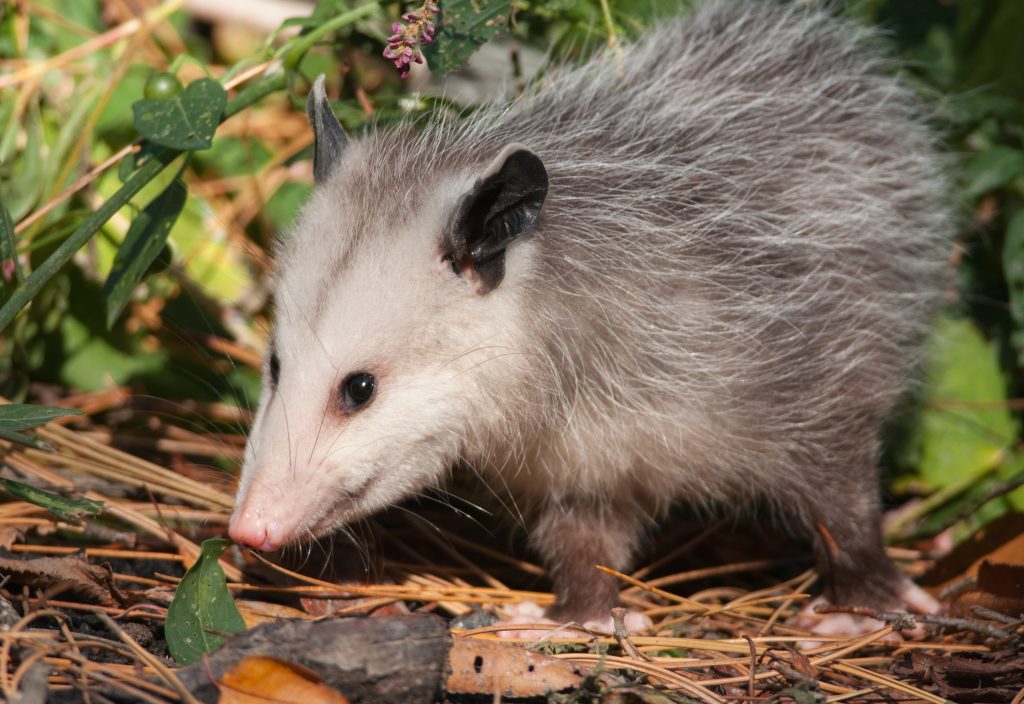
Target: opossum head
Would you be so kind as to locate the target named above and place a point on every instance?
(396, 335)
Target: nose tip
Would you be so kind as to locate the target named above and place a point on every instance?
(250, 527)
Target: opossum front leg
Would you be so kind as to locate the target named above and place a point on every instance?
(573, 535)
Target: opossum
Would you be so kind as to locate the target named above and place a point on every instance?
(697, 269)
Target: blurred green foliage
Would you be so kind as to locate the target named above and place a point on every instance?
(139, 302)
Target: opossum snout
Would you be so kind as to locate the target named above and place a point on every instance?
(262, 525)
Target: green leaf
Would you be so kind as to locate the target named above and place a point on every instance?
(68, 509)
(21, 416)
(202, 610)
(145, 239)
(186, 121)
(24, 184)
(465, 25)
(8, 249)
(992, 169)
(92, 356)
(965, 427)
(42, 273)
(22, 439)
(1013, 267)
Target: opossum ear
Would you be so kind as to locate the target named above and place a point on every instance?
(329, 138)
(502, 205)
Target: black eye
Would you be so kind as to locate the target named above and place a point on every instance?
(275, 368)
(357, 390)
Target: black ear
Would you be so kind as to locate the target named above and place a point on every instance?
(329, 138)
(502, 205)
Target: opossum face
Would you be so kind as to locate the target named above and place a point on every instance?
(394, 338)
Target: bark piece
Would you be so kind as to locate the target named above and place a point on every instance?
(508, 671)
(400, 660)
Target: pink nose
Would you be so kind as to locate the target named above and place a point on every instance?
(251, 527)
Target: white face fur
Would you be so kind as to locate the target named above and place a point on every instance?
(383, 360)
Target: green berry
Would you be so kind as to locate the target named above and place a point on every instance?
(162, 85)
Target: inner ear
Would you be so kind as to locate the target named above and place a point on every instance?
(502, 205)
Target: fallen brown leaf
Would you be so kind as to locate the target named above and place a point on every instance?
(259, 680)
(1001, 579)
(256, 612)
(1002, 540)
(91, 581)
(9, 535)
(999, 588)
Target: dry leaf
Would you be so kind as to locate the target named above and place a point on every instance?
(1001, 579)
(1002, 540)
(1000, 588)
(9, 535)
(91, 581)
(261, 680)
(967, 677)
(256, 612)
(372, 604)
(802, 664)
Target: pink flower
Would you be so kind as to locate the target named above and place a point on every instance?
(406, 40)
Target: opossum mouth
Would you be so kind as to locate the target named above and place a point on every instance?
(350, 505)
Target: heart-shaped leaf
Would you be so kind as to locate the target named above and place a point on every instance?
(464, 26)
(202, 610)
(185, 121)
(145, 239)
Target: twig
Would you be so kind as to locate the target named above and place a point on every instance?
(695, 606)
(145, 656)
(694, 689)
(889, 682)
(74, 188)
(791, 673)
(753, 666)
(621, 634)
(717, 571)
(904, 621)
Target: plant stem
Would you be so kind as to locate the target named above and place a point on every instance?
(613, 37)
(146, 173)
(294, 50)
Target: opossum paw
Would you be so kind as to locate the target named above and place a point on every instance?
(911, 597)
(527, 612)
(638, 623)
(918, 600)
(836, 625)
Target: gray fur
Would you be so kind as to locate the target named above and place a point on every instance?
(723, 297)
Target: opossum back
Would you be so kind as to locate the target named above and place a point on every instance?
(744, 230)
